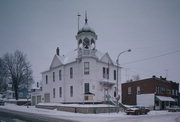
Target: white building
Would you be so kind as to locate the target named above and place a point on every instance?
(86, 75)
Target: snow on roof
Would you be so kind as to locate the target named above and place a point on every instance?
(86, 28)
(163, 98)
(71, 56)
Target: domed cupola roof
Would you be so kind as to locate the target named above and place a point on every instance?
(86, 27)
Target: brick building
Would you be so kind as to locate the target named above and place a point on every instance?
(154, 92)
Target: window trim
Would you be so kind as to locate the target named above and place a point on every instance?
(86, 68)
(60, 75)
(53, 76)
(129, 90)
(54, 93)
(86, 88)
(71, 72)
(71, 91)
(46, 79)
(60, 91)
(115, 75)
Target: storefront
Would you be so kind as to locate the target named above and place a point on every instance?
(162, 102)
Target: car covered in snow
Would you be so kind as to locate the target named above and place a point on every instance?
(2, 102)
(137, 110)
(174, 109)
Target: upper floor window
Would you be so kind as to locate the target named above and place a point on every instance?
(129, 90)
(60, 75)
(107, 71)
(71, 72)
(86, 88)
(46, 79)
(53, 76)
(54, 93)
(71, 91)
(86, 68)
(104, 72)
(138, 90)
(114, 74)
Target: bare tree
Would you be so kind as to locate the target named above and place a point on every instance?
(18, 71)
(136, 77)
(3, 84)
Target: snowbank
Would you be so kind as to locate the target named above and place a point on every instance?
(153, 116)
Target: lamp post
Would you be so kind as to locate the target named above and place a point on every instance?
(117, 62)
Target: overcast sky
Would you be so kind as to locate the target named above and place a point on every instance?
(151, 28)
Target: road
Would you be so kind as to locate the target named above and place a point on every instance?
(13, 116)
(169, 117)
(153, 116)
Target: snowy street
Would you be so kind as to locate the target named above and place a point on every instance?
(153, 116)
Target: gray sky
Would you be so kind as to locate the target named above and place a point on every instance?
(151, 28)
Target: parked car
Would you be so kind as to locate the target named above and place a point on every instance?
(2, 102)
(174, 109)
(137, 110)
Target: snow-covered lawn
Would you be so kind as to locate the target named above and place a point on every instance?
(153, 116)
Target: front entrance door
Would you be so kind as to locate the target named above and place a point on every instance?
(163, 105)
(106, 94)
(47, 98)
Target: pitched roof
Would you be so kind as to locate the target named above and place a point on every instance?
(73, 55)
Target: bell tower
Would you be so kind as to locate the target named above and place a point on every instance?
(86, 39)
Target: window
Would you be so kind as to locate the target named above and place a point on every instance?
(54, 93)
(71, 91)
(172, 91)
(60, 76)
(71, 72)
(86, 68)
(176, 92)
(138, 90)
(129, 90)
(107, 71)
(115, 92)
(86, 87)
(46, 79)
(114, 74)
(60, 91)
(53, 76)
(104, 72)
(156, 89)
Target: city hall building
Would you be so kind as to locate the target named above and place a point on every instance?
(84, 76)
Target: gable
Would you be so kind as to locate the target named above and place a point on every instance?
(106, 58)
(55, 62)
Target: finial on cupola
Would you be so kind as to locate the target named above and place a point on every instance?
(86, 17)
(57, 51)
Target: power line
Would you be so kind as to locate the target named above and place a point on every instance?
(153, 57)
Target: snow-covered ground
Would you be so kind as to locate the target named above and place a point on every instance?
(153, 116)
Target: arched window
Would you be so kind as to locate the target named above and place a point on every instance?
(80, 43)
(92, 44)
(86, 43)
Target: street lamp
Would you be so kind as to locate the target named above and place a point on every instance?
(117, 62)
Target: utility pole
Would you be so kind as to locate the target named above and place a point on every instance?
(117, 83)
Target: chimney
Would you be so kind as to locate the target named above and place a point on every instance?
(57, 51)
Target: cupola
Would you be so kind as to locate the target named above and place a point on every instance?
(86, 36)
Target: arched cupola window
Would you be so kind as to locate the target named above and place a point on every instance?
(80, 43)
(86, 43)
(92, 44)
